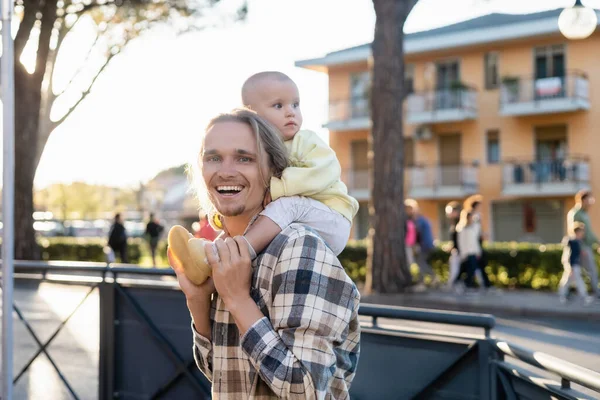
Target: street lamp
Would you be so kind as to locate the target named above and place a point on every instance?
(577, 22)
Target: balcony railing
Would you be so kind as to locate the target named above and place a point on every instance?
(530, 96)
(444, 105)
(442, 181)
(353, 113)
(559, 176)
(357, 181)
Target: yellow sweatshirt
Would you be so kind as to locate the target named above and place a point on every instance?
(314, 172)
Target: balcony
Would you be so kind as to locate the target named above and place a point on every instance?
(445, 105)
(442, 181)
(530, 96)
(357, 181)
(349, 114)
(559, 177)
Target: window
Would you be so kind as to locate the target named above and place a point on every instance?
(551, 142)
(493, 147)
(409, 152)
(409, 78)
(448, 72)
(550, 61)
(491, 70)
(360, 84)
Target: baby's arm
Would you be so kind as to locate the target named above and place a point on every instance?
(260, 234)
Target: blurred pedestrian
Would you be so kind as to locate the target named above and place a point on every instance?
(153, 232)
(205, 230)
(117, 238)
(468, 232)
(583, 201)
(571, 260)
(410, 240)
(425, 244)
(454, 262)
(473, 204)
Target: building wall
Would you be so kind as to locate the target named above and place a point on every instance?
(516, 134)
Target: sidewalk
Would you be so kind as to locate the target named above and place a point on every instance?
(513, 303)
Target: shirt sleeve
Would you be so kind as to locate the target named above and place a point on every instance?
(296, 349)
(314, 168)
(203, 353)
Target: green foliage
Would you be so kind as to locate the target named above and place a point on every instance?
(85, 249)
(510, 265)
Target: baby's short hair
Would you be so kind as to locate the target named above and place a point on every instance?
(255, 79)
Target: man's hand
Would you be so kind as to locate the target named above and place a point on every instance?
(231, 269)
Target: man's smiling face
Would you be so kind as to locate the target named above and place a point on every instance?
(234, 173)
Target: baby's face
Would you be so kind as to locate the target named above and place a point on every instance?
(279, 103)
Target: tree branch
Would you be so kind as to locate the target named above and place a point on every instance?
(81, 67)
(89, 7)
(30, 9)
(48, 19)
(84, 94)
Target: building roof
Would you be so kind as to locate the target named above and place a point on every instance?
(489, 28)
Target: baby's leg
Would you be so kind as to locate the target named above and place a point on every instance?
(260, 234)
(332, 226)
(272, 220)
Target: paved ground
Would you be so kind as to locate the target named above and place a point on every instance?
(75, 349)
(504, 303)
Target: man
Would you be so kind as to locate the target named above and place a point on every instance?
(285, 325)
(579, 214)
(117, 238)
(424, 240)
(153, 231)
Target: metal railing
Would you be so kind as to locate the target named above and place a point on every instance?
(566, 371)
(356, 179)
(573, 85)
(570, 169)
(436, 176)
(487, 322)
(143, 307)
(443, 99)
(346, 109)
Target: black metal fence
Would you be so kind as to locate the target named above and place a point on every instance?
(145, 349)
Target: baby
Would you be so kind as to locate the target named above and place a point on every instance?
(309, 191)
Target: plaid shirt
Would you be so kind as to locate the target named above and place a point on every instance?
(306, 346)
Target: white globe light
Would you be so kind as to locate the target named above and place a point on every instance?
(577, 22)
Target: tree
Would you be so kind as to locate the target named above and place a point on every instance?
(388, 271)
(44, 25)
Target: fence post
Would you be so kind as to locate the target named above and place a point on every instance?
(485, 369)
(106, 371)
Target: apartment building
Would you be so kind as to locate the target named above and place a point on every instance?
(500, 105)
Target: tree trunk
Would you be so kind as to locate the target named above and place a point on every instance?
(28, 95)
(388, 271)
(26, 126)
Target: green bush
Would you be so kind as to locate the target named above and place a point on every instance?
(85, 249)
(510, 265)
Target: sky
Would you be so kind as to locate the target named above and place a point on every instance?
(147, 111)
